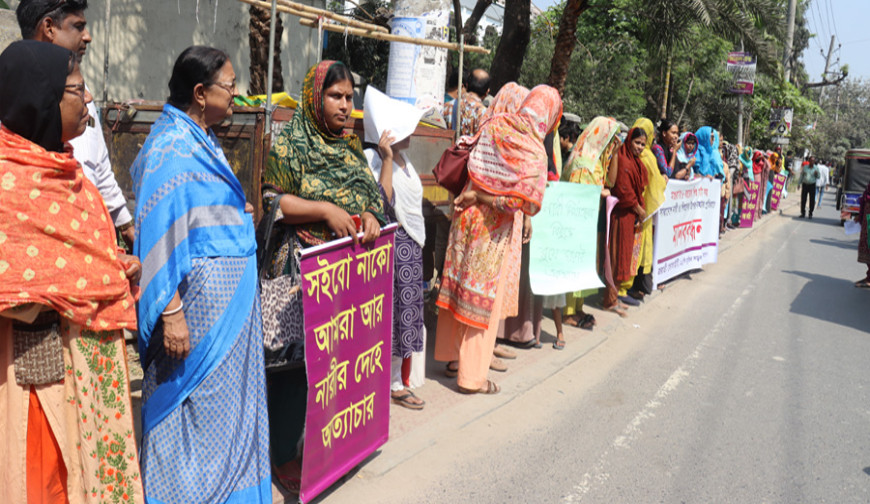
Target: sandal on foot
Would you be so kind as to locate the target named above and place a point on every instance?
(504, 353)
(450, 372)
(537, 345)
(559, 344)
(588, 322)
(404, 400)
(490, 388)
(863, 284)
(572, 321)
(497, 365)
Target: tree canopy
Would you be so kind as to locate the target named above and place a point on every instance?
(627, 53)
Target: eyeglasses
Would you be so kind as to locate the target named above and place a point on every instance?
(229, 87)
(77, 89)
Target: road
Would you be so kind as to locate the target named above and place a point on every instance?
(745, 384)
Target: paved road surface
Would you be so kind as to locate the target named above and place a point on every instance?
(747, 384)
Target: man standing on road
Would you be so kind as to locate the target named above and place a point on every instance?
(63, 23)
(822, 182)
(809, 176)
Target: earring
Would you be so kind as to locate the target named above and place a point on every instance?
(203, 107)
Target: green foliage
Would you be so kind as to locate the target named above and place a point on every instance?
(3, 5)
(840, 124)
(367, 57)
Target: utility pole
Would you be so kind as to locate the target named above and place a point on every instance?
(789, 39)
(827, 65)
(739, 111)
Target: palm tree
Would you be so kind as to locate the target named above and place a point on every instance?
(259, 39)
(755, 23)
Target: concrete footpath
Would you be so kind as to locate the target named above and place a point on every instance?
(447, 411)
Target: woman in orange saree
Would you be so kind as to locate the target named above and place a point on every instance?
(65, 297)
(507, 174)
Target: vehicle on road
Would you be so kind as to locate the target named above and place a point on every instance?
(856, 176)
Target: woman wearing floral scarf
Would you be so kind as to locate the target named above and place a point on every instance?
(507, 171)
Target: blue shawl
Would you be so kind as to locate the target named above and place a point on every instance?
(684, 156)
(189, 204)
(709, 160)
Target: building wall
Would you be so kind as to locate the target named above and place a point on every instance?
(145, 37)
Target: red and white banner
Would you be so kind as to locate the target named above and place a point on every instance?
(686, 228)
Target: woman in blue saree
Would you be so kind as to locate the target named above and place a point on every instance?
(204, 414)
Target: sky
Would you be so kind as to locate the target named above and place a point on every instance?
(847, 20)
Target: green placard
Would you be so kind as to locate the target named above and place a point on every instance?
(565, 240)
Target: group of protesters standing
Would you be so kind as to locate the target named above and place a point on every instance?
(632, 169)
(189, 283)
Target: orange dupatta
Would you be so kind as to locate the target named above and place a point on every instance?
(57, 241)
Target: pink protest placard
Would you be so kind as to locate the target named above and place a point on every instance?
(348, 306)
(776, 193)
(750, 204)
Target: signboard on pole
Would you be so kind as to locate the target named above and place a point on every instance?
(779, 126)
(686, 228)
(564, 244)
(347, 298)
(742, 67)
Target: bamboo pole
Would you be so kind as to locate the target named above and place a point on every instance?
(332, 15)
(312, 13)
(389, 37)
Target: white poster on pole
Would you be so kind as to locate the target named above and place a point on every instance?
(686, 228)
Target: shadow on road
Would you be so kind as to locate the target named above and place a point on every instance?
(831, 299)
(848, 244)
(827, 221)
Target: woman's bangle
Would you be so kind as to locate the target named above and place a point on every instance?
(176, 310)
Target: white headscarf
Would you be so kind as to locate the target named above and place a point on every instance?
(382, 113)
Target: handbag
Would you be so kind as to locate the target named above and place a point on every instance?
(451, 172)
(280, 290)
(38, 351)
(738, 186)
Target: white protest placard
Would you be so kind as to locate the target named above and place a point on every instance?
(686, 228)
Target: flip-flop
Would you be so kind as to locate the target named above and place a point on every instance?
(449, 372)
(537, 345)
(630, 301)
(402, 400)
(497, 365)
(490, 388)
(504, 353)
(559, 344)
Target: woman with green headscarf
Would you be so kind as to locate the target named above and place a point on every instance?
(322, 177)
(653, 197)
(320, 171)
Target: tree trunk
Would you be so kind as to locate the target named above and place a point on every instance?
(565, 42)
(259, 40)
(457, 17)
(470, 27)
(508, 60)
(688, 94)
(664, 113)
